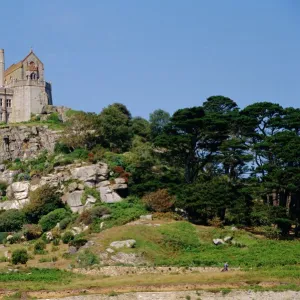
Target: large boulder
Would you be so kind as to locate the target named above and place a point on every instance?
(74, 201)
(13, 204)
(90, 174)
(109, 196)
(127, 258)
(18, 190)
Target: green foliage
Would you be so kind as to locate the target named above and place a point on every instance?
(159, 119)
(125, 211)
(3, 236)
(39, 247)
(50, 220)
(78, 241)
(42, 201)
(11, 220)
(88, 191)
(114, 127)
(87, 259)
(65, 222)
(37, 275)
(19, 256)
(67, 237)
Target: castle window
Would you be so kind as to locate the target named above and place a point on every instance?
(8, 102)
(0, 102)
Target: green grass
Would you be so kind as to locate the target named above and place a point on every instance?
(183, 244)
(38, 275)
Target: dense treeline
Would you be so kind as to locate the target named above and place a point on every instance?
(219, 162)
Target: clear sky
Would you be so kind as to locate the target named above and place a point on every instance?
(150, 54)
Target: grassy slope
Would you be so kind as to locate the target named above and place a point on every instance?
(175, 243)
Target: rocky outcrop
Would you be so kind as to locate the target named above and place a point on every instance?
(25, 141)
(13, 204)
(123, 244)
(18, 190)
(71, 180)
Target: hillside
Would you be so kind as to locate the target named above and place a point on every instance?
(113, 203)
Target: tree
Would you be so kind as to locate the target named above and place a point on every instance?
(181, 139)
(80, 130)
(141, 127)
(219, 104)
(158, 121)
(114, 128)
(204, 200)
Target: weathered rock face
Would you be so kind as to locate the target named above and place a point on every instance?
(25, 141)
(71, 181)
(18, 190)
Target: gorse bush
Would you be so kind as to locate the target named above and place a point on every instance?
(19, 256)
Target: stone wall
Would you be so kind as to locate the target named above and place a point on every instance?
(26, 141)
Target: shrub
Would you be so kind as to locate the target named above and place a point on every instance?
(67, 237)
(42, 201)
(32, 231)
(61, 148)
(19, 256)
(56, 241)
(50, 220)
(65, 222)
(3, 236)
(87, 258)
(284, 225)
(16, 238)
(159, 201)
(39, 247)
(216, 222)
(11, 220)
(88, 216)
(23, 177)
(78, 242)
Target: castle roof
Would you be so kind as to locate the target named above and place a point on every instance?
(18, 65)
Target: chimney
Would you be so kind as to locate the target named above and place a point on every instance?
(2, 67)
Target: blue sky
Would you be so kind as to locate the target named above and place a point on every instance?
(150, 54)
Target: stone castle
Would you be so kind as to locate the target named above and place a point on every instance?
(23, 89)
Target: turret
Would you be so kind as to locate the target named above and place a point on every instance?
(2, 67)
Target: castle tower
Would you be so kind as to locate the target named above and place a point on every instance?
(2, 67)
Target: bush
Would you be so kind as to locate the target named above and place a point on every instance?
(67, 237)
(19, 256)
(88, 216)
(42, 201)
(16, 238)
(65, 222)
(11, 220)
(216, 222)
(50, 220)
(32, 231)
(87, 258)
(284, 225)
(78, 242)
(159, 201)
(39, 247)
(3, 236)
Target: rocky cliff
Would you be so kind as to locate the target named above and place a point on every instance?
(26, 141)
